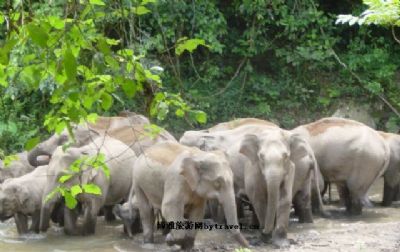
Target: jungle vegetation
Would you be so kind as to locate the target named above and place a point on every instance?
(190, 64)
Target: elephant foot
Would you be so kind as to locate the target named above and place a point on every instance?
(267, 238)
(305, 216)
(186, 243)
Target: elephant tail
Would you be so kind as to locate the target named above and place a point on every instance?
(315, 168)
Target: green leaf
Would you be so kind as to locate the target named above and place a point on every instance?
(9, 159)
(56, 22)
(70, 200)
(96, 2)
(52, 194)
(65, 178)
(180, 112)
(129, 87)
(38, 35)
(91, 189)
(75, 190)
(201, 117)
(190, 45)
(31, 143)
(140, 10)
(70, 64)
(106, 101)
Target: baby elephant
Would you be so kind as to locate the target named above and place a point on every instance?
(178, 180)
(21, 197)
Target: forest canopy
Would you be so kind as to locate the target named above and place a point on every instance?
(186, 63)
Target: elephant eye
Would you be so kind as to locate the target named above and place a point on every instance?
(217, 184)
(285, 156)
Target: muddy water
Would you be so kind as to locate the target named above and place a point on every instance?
(378, 229)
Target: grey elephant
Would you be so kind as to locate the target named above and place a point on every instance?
(119, 159)
(22, 197)
(349, 154)
(178, 180)
(270, 177)
(392, 173)
(137, 136)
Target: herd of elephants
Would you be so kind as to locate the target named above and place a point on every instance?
(247, 163)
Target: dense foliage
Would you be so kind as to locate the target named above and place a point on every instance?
(280, 60)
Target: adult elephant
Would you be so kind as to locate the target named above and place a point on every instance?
(392, 174)
(119, 159)
(178, 180)
(137, 136)
(270, 177)
(349, 154)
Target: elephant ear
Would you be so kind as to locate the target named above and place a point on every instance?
(190, 172)
(249, 147)
(298, 147)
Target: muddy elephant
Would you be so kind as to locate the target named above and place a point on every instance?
(22, 197)
(269, 179)
(349, 154)
(119, 159)
(392, 173)
(137, 136)
(178, 180)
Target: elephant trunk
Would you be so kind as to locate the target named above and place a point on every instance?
(46, 210)
(34, 154)
(228, 202)
(273, 186)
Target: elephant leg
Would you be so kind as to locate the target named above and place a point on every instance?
(35, 225)
(396, 196)
(146, 215)
(70, 217)
(239, 208)
(90, 216)
(57, 215)
(21, 220)
(388, 193)
(302, 208)
(344, 195)
(195, 215)
(302, 202)
(108, 214)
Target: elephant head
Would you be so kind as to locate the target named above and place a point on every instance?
(208, 175)
(274, 153)
(82, 135)
(12, 199)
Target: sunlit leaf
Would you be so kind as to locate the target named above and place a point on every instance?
(31, 143)
(91, 189)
